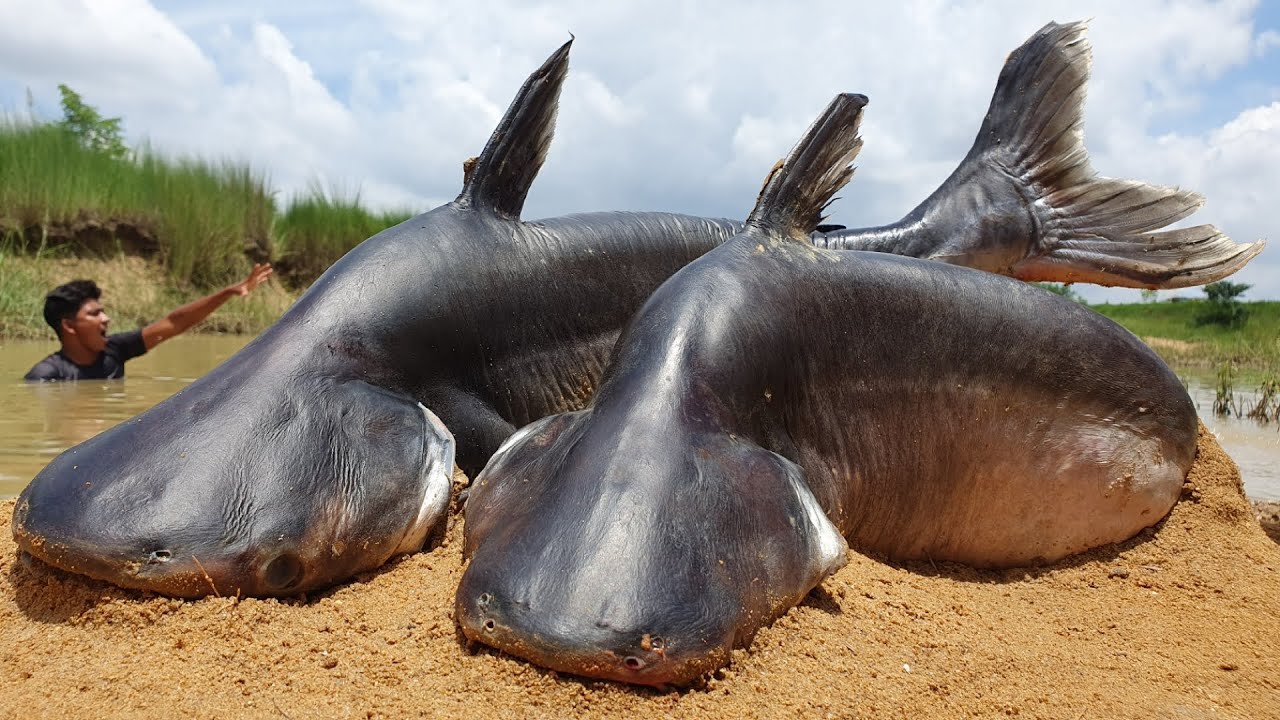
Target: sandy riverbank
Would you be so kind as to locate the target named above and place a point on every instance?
(1182, 622)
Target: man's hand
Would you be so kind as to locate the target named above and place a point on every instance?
(177, 322)
(260, 272)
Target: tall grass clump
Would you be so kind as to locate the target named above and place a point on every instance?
(47, 177)
(195, 216)
(1224, 396)
(209, 215)
(1267, 407)
(318, 228)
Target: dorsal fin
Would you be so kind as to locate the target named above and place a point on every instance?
(500, 177)
(796, 193)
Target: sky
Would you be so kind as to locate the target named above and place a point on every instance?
(670, 105)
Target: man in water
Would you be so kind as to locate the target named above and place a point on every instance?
(89, 353)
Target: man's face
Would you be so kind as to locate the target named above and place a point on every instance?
(89, 326)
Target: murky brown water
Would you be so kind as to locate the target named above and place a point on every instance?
(1254, 447)
(38, 421)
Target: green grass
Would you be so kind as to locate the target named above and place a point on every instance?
(321, 227)
(22, 290)
(210, 214)
(201, 220)
(196, 216)
(1171, 330)
(155, 231)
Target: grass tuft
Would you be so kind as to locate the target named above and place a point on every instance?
(320, 227)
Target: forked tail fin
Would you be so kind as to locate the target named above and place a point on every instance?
(798, 190)
(1026, 202)
(1092, 228)
(499, 179)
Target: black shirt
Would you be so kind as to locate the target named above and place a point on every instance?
(109, 365)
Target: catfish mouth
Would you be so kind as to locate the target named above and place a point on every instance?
(629, 656)
(163, 571)
(176, 574)
(167, 569)
(383, 469)
(171, 569)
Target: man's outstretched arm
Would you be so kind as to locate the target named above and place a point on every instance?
(178, 321)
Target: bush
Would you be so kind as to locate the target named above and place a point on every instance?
(1223, 308)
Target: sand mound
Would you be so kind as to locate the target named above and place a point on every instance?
(1181, 622)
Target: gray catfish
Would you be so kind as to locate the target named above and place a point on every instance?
(773, 401)
(325, 446)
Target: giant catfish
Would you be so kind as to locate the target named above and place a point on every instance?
(771, 402)
(326, 445)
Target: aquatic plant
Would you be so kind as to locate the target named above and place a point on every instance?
(1224, 401)
(1267, 407)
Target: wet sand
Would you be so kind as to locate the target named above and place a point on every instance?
(1182, 622)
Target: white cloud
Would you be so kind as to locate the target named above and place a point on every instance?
(669, 105)
(124, 50)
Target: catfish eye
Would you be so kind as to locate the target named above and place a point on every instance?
(283, 571)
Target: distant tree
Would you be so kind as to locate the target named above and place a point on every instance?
(1150, 295)
(1063, 289)
(1225, 290)
(99, 134)
(1223, 308)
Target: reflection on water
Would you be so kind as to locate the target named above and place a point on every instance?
(41, 420)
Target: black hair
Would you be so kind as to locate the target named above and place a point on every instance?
(64, 301)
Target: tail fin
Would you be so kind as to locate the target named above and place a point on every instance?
(1092, 228)
(499, 179)
(797, 191)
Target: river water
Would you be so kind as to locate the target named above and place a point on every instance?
(38, 421)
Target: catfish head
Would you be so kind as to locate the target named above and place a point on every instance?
(642, 553)
(240, 486)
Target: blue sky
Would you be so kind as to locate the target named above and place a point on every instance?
(669, 105)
